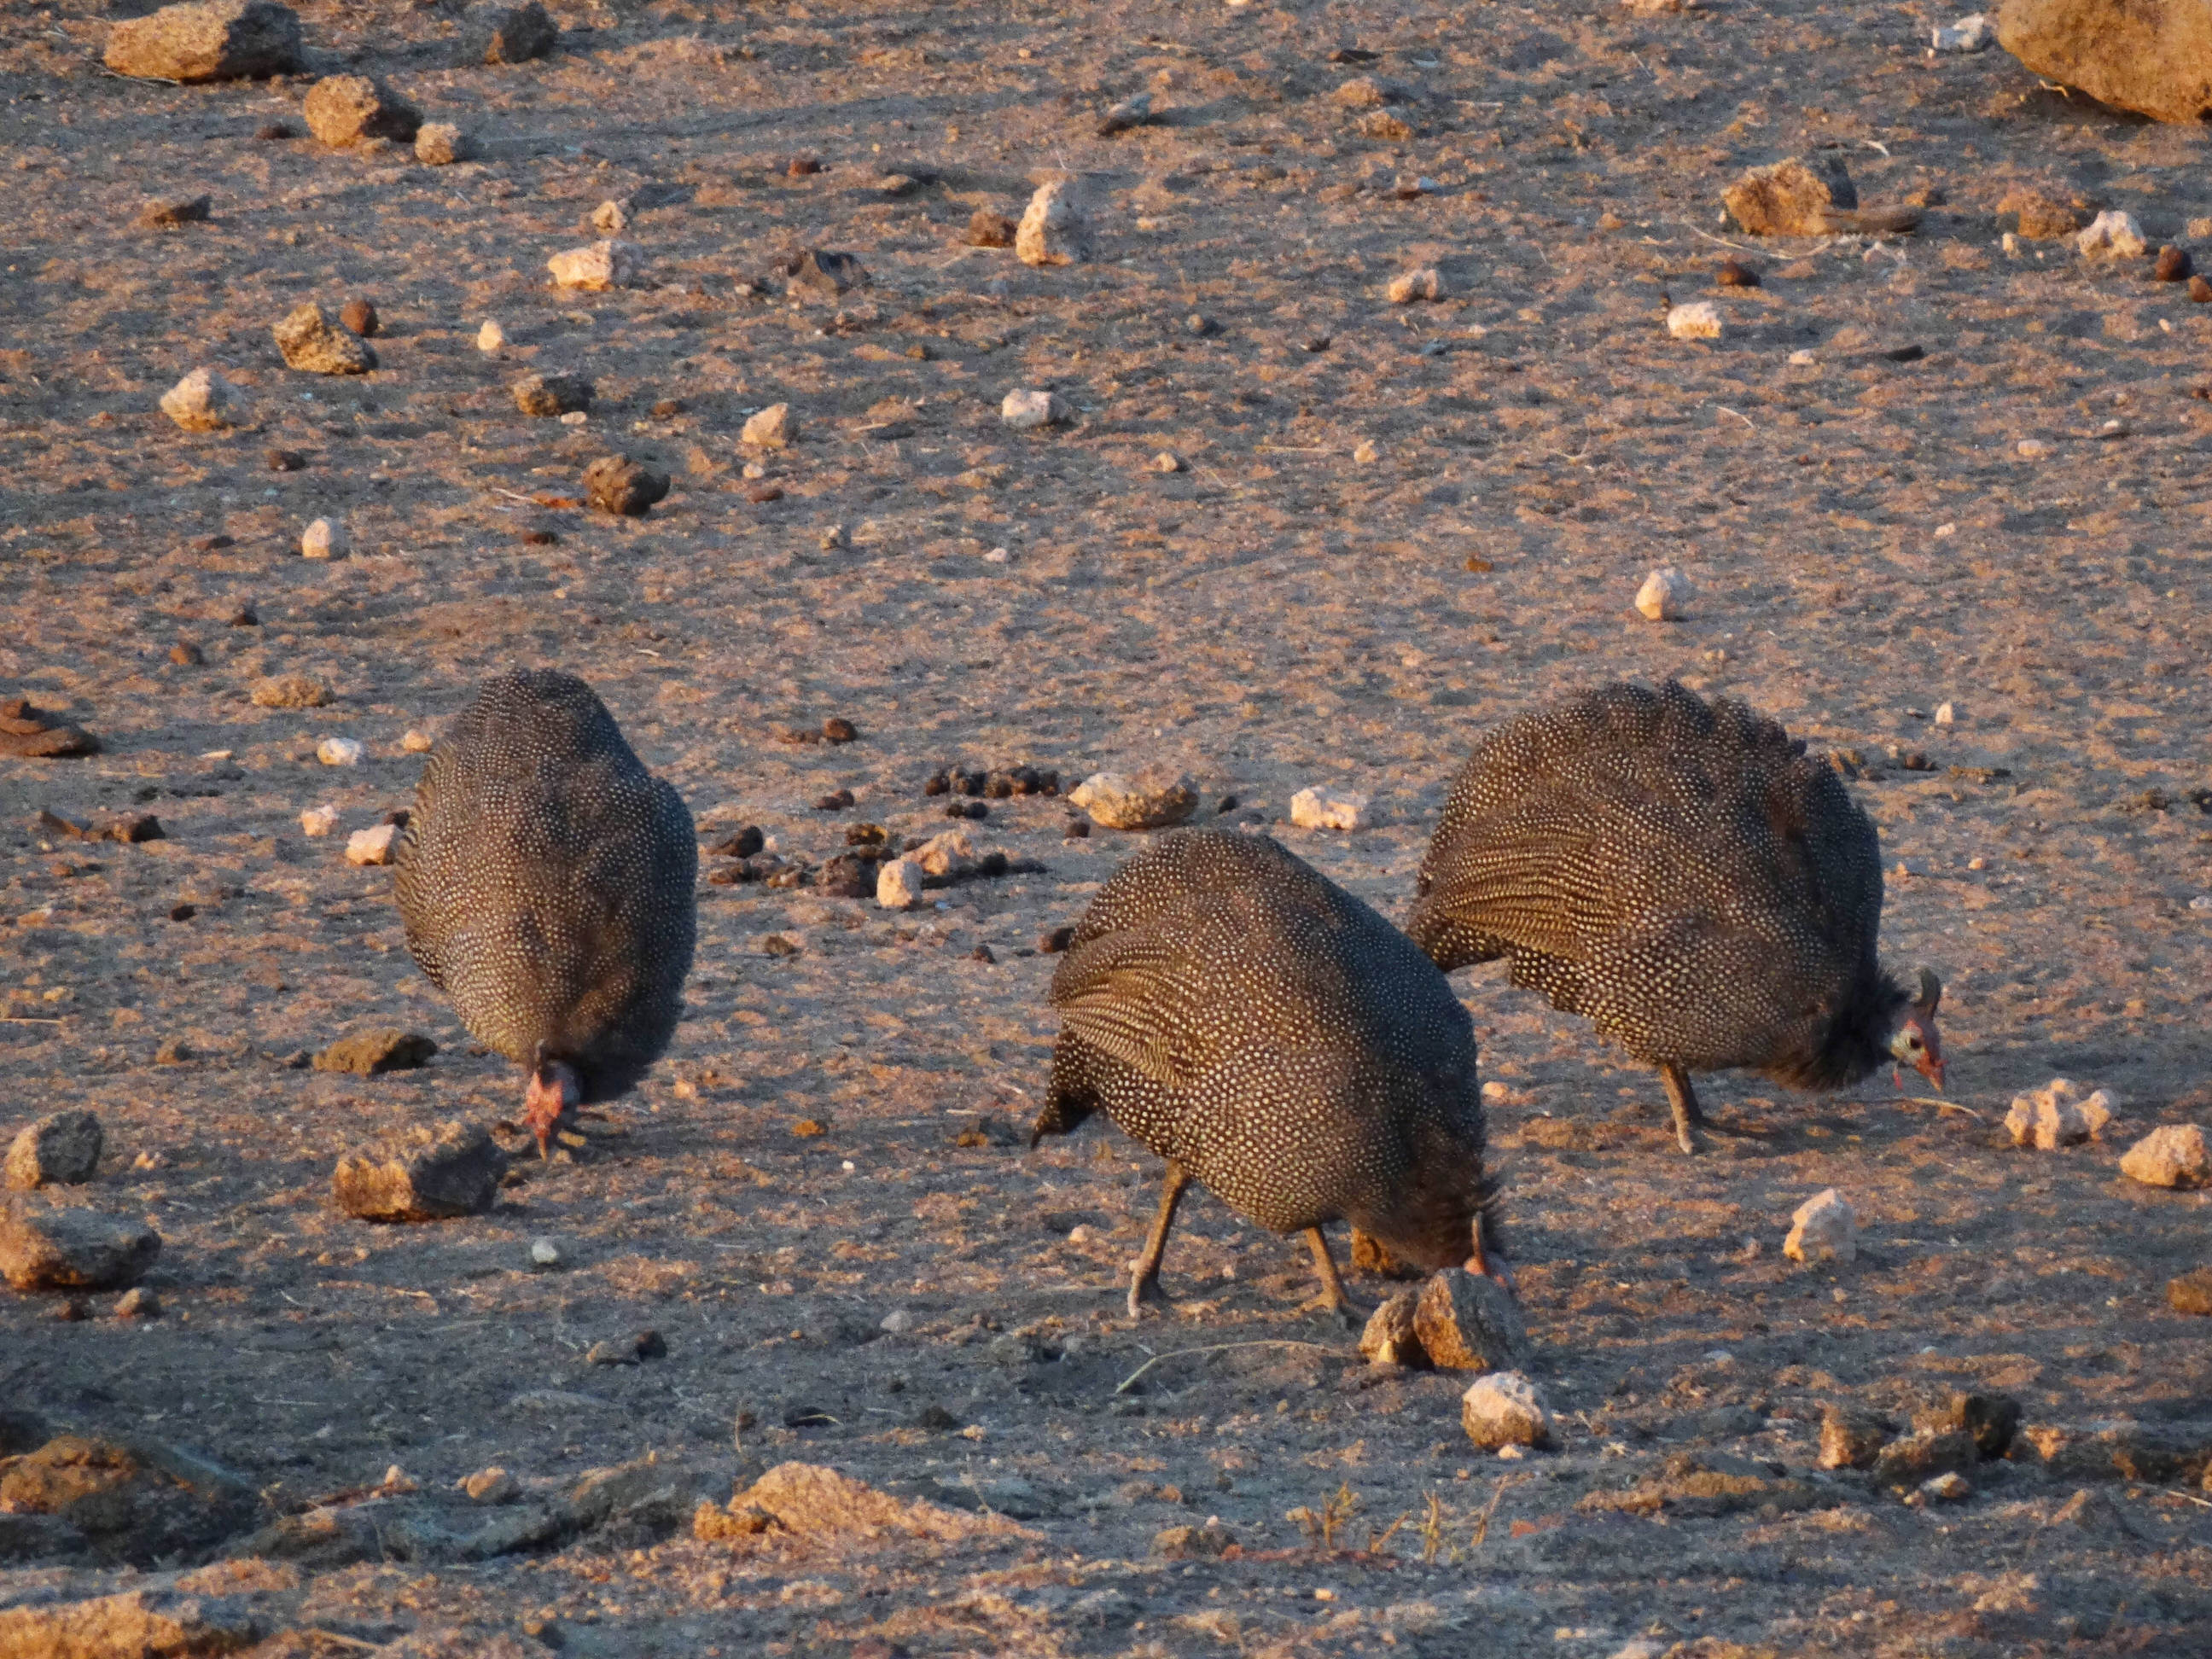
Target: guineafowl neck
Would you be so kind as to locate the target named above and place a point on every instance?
(1856, 1042)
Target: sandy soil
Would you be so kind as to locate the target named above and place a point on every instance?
(1867, 542)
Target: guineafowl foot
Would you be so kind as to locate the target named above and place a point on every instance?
(1332, 1300)
(1146, 1291)
(1145, 1270)
(1688, 1115)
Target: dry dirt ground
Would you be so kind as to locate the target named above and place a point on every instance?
(1867, 542)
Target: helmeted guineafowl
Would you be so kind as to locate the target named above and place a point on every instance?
(545, 878)
(1272, 1036)
(1683, 874)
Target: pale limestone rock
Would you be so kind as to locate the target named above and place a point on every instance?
(2175, 1156)
(1504, 1409)
(1314, 808)
(898, 885)
(491, 337)
(1388, 1338)
(2057, 1115)
(325, 538)
(338, 752)
(2112, 234)
(372, 845)
(773, 427)
(603, 265)
(1054, 230)
(318, 820)
(1664, 595)
(1026, 411)
(1156, 798)
(1697, 320)
(201, 401)
(1408, 286)
(440, 144)
(1824, 1229)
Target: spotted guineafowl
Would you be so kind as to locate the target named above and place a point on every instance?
(1680, 872)
(1272, 1036)
(545, 878)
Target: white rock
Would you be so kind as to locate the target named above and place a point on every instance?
(1054, 230)
(1388, 1338)
(770, 428)
(2113, 234)
(1314, 808)
(545, 1251)
(1664, 594)
(898, 1321)
(898, 884)
(1025, 411)
(2175, 1156)
(372, 846)
(417, 743)
(600, 267)
(338, 752)
(952, 853)
(1802, 360)
(1970, 34)
(201, 401)
(1156, 798)
(2057, 1115)
(1946, 713)
(1696, 321)
(2032, 449)
(1408, 286)
(1824, 1229)
(610, 217)
(325, 538)
(1502, 1408)
(319, 820)
(491, 337)
(1948, 1487)
(1167, 461)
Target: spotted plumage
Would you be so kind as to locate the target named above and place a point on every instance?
(1274, 1038)
(545, 879)
(1682, 873)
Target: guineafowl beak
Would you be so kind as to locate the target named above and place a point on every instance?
(553, 1088)
(1918, 1044)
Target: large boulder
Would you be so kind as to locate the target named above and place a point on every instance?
(427, 1173)
(507, 34)
(223, 40)
(2153, 57)
(50, 1247)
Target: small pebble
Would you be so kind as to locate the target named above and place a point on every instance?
(545, 1252)
(1734, 273)
(1664, 594)
(372, 845)
(838, 729)
(2200, 291)
(360, 316)
(338, 752)
(285, 460)
(1410, 286)
(417, 743)
(318, 820)
(2173, 264)
(491, 337)
(186, 654)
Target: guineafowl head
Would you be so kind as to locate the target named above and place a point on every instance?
(1915, 1042)
(555, 1088)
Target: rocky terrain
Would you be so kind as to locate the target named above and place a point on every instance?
(1934, 497)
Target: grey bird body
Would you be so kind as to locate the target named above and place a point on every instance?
(1684, 875)
(1274, 1038)
(546, 880)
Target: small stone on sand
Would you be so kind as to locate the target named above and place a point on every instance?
(1825, 1227)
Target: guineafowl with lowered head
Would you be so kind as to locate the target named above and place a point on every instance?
(546, 880)
(1269, 1034)
(1686, 875)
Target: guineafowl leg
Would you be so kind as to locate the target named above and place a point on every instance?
(1145, 1280)
(1334, 1301)
(1684, 1099)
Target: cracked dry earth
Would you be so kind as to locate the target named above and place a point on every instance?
(838, 1135)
